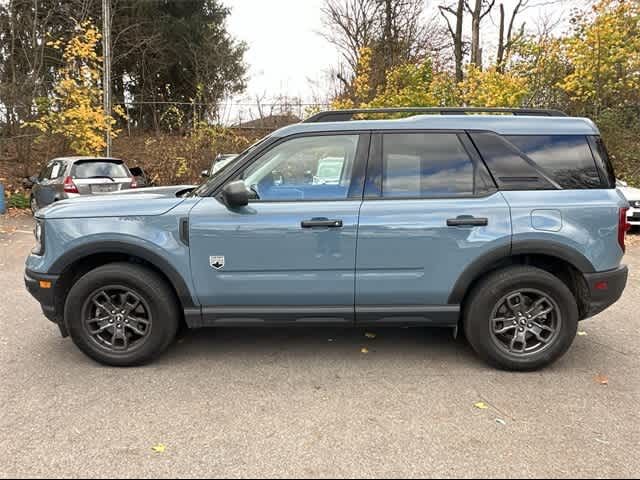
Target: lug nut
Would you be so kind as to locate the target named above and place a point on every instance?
(521, 329)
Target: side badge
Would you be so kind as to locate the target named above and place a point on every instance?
(216, 262)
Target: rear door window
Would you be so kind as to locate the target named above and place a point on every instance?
(427, 165)
(567, 159)
(98, 169)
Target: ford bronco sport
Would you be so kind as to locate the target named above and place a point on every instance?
(507, 226)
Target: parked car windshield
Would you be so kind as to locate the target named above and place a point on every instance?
(92, 169)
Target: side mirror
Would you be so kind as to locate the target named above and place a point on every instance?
(236, 194)
(204, 174)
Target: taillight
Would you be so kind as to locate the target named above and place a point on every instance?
(69, 186)
(623, 228)
(134, 184)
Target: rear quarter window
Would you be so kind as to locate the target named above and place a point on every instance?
(567, 159)
(95, 169)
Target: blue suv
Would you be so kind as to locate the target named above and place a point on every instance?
(507, 226)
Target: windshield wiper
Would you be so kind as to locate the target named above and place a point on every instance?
(102, 176)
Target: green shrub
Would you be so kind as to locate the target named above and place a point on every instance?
(18, 200)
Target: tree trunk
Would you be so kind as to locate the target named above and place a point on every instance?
(458, 41)
(475, 33)
(500, 55)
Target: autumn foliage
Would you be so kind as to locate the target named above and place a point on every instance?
(75, 109)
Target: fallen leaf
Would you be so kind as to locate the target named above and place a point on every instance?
(582, 334)
(602, 379)
(481, 406)
(160, 448)
(370, 335)
(499, 421)
(364, 350)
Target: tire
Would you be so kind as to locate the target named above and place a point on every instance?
(124, 339)
(529, 344)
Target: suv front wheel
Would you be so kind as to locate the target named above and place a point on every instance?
(122, 314)
(521, 318)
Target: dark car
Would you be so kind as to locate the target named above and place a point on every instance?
(69, 177)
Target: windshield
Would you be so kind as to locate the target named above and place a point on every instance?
(204, 187)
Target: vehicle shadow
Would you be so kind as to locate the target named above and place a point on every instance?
(324, 344)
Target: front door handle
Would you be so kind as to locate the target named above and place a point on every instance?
(467, 221)
(321, 222)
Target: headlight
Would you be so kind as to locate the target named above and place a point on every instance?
(38, 232)
(635, 203)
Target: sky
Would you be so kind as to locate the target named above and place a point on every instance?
(288, 56)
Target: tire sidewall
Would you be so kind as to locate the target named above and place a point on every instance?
(161, 308)
(489, 293)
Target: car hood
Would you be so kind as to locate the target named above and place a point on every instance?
(130, 203)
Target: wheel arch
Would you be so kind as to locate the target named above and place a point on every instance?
(560, 260)
(78, 261)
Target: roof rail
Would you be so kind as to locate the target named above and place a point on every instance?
(347, 115)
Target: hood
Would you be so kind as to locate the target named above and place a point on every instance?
(136, 202)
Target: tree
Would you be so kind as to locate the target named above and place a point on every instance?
(492, 88)
(507, 37)
(604, 53)
(481, 9)
(456, 32)
(174, 51)
(27, 63)
(74, 110)
(394, 32)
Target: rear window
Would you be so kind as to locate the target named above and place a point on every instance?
(103, 168)
(567, 159)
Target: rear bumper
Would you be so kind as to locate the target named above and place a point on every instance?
(605, 288)
(633, 216)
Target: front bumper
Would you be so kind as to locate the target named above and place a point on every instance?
(605, 288)
(43, 287)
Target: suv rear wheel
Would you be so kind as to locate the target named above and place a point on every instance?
(521, 318)
(122, 314)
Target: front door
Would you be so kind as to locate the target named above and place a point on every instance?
(430, 211)
(289, 256)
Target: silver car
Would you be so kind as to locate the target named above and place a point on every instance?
(69, 177)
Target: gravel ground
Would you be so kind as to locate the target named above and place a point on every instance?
(309, 403)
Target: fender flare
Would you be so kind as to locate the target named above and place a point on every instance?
(113, 246)
(486, 262)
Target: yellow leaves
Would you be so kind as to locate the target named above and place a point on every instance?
(605, 54)
(75, 110)
(481, 406)
(491, 88)
(159, 448)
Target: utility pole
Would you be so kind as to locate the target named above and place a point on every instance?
(106, 66)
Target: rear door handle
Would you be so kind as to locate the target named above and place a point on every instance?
(467, 221)
(321, 222)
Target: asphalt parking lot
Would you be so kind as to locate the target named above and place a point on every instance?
(310, 403)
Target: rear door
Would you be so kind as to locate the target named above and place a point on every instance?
(100, 176)
(430, 210)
